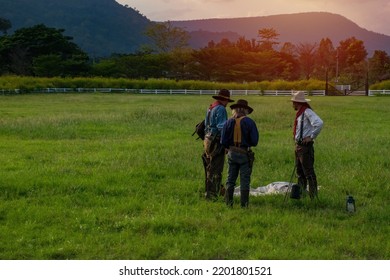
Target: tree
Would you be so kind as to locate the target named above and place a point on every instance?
(49, 65)
(289, 48)
(325, 58)
(27, 49)
(166, 37)
(243, 44)
(180, 62)
(351, 55)
(268, 38)
(289, 62)
(379, 66)
(141, 65)
(5, 24)
(306, 53)
(242, 61)
(349, 52)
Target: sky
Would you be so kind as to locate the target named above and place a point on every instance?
(372, 15)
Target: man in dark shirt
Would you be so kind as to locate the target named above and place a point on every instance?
(239, 134)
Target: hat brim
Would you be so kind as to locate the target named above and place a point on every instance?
(234, 106)
(300, 101)
(222, 98)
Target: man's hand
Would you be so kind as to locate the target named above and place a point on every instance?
(307, 139)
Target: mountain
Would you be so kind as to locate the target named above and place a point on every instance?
(103, 27)
(99, 27)
(295, 28)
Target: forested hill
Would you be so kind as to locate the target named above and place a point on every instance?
(104, 27)
(295, 28)
(99, 27)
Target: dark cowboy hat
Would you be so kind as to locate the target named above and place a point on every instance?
(241, 103)
(223, 95)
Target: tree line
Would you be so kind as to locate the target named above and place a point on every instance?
(44, 51)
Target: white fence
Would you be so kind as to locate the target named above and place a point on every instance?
(234, 92)
(378, 92)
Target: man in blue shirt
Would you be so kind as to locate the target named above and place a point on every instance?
(239, 134)
(214, 154)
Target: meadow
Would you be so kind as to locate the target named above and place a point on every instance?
(119, 176)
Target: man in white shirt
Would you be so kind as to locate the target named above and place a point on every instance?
(307, 126)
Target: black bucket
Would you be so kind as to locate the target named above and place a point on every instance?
(295, 191)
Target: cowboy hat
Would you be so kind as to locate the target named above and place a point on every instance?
(241, 103)
(223, 95)
(299, 97)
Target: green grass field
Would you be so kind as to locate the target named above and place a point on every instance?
(98, 176)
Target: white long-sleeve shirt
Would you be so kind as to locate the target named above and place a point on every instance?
(312, 125)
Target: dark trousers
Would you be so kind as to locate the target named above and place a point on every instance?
(214, 167)
(239, 165)
(304, 161)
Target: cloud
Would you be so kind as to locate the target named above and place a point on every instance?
(219, 1)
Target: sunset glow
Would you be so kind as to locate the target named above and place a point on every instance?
(371, 15)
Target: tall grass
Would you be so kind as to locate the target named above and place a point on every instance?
(97, 176)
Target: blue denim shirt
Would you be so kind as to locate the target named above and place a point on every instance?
(216, 121)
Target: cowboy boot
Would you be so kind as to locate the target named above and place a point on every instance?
(229, 196)
(302, 182)
(313, 191)
(215, 187)
(244, 198)
(209, 190)
(222, 190)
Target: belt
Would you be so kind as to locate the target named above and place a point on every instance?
(300, 143)
(239, 149)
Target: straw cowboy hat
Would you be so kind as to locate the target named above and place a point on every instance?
(223, 95)
(299, 97)
(241, 103)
